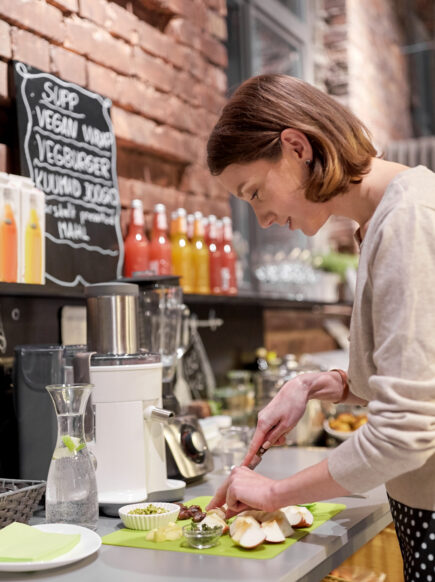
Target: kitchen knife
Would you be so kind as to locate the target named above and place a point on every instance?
(257, 458)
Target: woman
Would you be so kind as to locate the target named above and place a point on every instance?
(298, 157)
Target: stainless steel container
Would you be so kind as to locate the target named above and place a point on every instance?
(111, 316)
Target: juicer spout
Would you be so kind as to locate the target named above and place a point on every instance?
(156, 414)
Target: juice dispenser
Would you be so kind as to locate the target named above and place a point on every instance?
(127, 398)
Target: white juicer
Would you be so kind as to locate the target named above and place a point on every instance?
(129, 443)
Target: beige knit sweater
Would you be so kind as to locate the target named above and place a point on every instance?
(392, 354)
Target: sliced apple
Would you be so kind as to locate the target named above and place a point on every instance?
(284, 524)
(217, 511)
(214, 520)
(273, 531)
(252, 537)
(298, 516)
(307, 515)
(257, 514)
(240, 525)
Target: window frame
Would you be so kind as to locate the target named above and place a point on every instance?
(300, 33)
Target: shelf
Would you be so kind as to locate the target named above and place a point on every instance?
(268, 302)
(244, 299)
(47, 290)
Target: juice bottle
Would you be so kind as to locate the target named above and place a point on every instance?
(33, 246)
(205, 222)
(182, 252)
(229, 258)
(136, 245)
(190, 222)
(200, 258)
(215, 256)
(8, 240)
(160, 246)
(173, 225)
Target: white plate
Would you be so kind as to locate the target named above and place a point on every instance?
(338, 434)
(88, 544)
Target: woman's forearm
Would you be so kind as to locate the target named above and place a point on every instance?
(328, 386)
(312, 484)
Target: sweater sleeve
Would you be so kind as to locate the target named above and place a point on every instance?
(400, 433)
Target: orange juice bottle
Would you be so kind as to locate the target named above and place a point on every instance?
(182, 251)
(200, 257)
(215, 256)
(190, 221)
(8, 240)
(160, 245)
(229, 259)
(33, 247)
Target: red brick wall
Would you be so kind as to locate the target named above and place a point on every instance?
(362, 64)
(161, 62)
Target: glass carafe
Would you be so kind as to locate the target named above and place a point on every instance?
(71, 495)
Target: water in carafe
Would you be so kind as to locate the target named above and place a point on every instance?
(71, 495)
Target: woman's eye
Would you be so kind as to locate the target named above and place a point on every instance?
(254, 195)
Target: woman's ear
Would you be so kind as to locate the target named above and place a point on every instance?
(294, 142)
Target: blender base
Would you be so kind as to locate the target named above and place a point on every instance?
(174, 492)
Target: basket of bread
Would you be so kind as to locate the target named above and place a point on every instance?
(344, 424)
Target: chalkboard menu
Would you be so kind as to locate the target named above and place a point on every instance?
(67, 146)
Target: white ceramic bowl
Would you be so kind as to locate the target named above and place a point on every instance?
(151, 521)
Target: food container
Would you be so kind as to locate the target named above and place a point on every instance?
(148, 521)
(19, 499)
(356, 417)
(200, 538)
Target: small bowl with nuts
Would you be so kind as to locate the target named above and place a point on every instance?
(146, 516)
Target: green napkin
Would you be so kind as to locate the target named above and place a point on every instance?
(226, 547)
(22, 543)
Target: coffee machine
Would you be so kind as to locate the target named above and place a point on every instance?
(164, 329)
(129, 443)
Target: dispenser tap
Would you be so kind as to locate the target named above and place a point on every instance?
(157, 414)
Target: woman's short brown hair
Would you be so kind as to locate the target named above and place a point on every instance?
(251, 123)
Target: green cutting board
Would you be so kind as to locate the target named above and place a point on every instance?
(226, 547)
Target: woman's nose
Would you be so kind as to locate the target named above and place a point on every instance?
(266, 220)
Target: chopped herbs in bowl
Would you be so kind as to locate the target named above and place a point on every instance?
(201, 535)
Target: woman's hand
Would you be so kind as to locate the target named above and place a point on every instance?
(244, 489)
(280, 415)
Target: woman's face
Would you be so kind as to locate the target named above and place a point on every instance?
(275, 192)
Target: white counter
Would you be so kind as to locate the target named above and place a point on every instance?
(309, 560)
